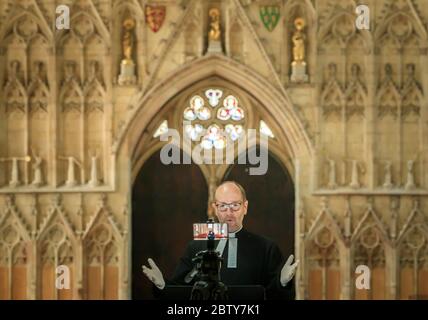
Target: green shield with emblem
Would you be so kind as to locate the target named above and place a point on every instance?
(270, 16)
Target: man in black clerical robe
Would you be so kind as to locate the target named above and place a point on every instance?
(248, 259)
(258, 262)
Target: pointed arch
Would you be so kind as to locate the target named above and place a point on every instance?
(97, 27)
(382, 32)
(325, 219)
(102, 240)
(306, 6)
(332, 30)
(369, 220)
(19, 14)
(57, 216)
(102, 215)
(16, 218)
(145, 105)
(131, 6)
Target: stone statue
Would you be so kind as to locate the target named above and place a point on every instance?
(69, 70)
(13, 70)
(410, 183)
(298, 66)
(37, 167)
(92, 71)
(299, 41)
(214, 33)
(332, 174)
(71, 177)
(411, 77)
(355, 183)
(388, 175)
(39, 71)
(94, 181)
(14, 175)
(127, 66)
(332, 71)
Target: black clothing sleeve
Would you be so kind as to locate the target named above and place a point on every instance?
(274, 264)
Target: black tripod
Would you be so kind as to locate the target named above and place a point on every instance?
(208, 264)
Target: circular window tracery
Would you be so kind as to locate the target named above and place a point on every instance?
(217, 118)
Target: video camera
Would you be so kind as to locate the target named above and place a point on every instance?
(208, 262)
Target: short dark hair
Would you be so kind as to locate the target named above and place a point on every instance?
(241, 188)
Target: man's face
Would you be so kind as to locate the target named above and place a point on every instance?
(229, 206)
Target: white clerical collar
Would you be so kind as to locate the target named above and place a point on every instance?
(233, 248)
(233, 234)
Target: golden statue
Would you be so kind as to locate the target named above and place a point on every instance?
(214, 33)
(299, 41)
(128, 39)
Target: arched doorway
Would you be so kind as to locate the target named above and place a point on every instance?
(166, 200)
(167, 101)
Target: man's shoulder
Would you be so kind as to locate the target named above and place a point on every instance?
(257, 238)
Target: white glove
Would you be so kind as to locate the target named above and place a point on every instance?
(288, 270)
(154, 274)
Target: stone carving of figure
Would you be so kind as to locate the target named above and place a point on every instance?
(37, 167)
(94, 181)
(410, 67)
(39, 71)
(332, 71)
(356, 168)
(410, 183)
(92, 70)
(69, 70)
(14, 175)
(388, 175)
(214, 33)
(71, 177)
(332, 174)
(13, 70)
(355, 72)
(128, 39)
(298, 39)
(410, 76)
(388, 70)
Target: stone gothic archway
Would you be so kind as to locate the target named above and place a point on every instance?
(149, 108)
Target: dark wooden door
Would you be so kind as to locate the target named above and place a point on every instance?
(166, 201)
(270, 202)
